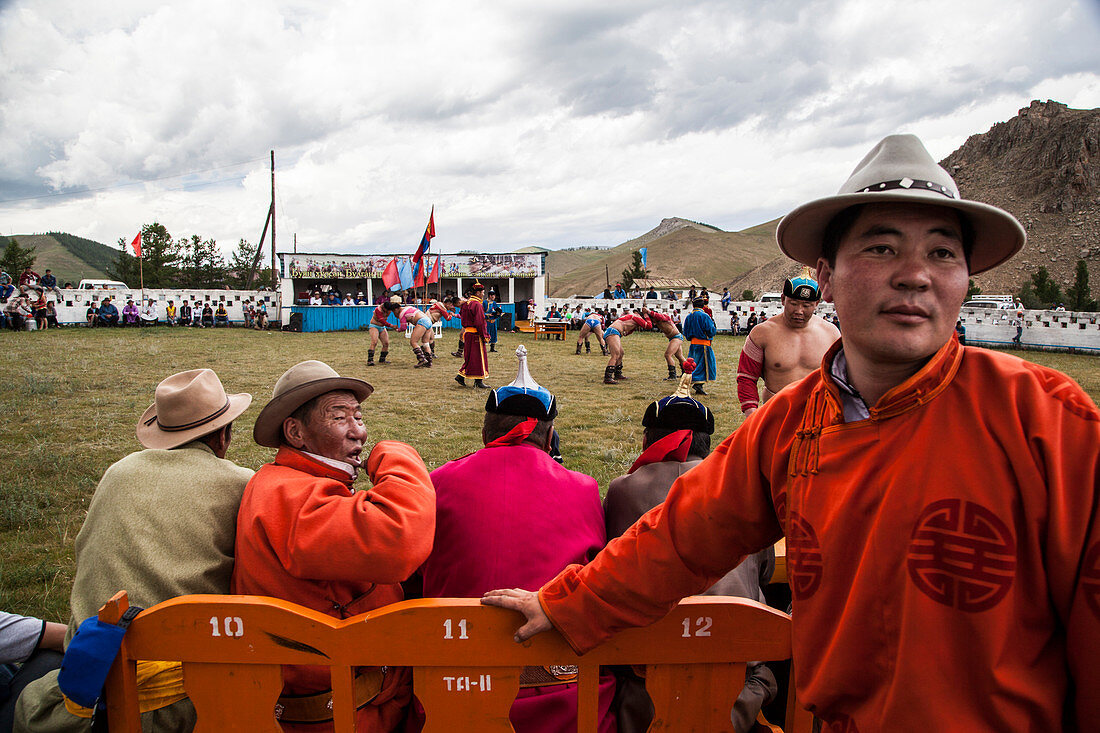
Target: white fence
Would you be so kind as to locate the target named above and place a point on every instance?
(1042, 329)
(73, 305)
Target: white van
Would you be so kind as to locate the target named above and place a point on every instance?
(102, 285)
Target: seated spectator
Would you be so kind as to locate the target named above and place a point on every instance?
(207, 320)
(29, 279)
(726, 299)
(4, 313)
(651, 294)
(676, 439)
(360, 299)
(174, 506)
(108, 313)
(306, 535)
(51, 315)
(509, 516)
(148, 314)
(196, 313)
(185, 313)
(90, 315)
(6, 289)
(5, 279)
(170, 314)
(221, 316)
(130, 314)
(315, 298)
(49, 282)
(348, 300)
(29, 648)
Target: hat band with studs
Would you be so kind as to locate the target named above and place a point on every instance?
(193, 424)
(909, 183)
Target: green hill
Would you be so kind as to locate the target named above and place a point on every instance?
(71, 258)
(676, 249)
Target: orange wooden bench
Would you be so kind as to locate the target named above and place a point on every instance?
(466, 665)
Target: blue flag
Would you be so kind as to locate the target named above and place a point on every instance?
(405, 272)
(643, 255)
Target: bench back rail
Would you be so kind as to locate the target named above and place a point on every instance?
(466, 664)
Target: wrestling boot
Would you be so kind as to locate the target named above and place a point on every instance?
(492, 348)
(604, 351)
(609, 375)
(698, 388)
(460, 379)
(481, 385)
(588, 348)
(671, 373)
(459, 352)
(382, 357)
(579, 349)
(421, 360)
(370, 357)
(619, 374)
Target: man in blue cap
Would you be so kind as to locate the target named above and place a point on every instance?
(783, 350)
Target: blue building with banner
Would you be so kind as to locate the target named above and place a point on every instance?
(518, 278)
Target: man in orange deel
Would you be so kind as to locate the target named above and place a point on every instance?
(939, 502)
(306, 535)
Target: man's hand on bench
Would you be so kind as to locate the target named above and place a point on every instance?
(526, 603)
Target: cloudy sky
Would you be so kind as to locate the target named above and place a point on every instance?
(560, 124)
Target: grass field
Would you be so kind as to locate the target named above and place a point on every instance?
(71, 399)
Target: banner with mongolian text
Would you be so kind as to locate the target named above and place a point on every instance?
(361, 267)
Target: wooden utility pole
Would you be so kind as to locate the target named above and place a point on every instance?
(274, 274)
(269, 222)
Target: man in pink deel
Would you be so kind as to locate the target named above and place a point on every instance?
(509, 516)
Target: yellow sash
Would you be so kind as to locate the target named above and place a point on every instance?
(159, 685)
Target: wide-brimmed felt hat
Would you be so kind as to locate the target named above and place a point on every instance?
(186, 406)
(298, 385)
(900, 169)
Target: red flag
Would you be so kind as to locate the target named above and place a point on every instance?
(420, 267)
(136, 244)
(433, 276)
(426, 240)
(389, 275)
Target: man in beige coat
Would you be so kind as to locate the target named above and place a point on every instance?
(161, 524)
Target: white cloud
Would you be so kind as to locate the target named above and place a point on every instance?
(557, 124)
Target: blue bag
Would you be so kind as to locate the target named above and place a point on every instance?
(89, 656)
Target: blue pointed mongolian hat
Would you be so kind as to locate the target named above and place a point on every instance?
(802, 287)
(679, 411)
(523, 397)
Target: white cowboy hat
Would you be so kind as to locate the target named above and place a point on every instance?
(186, 406)
(899, 168)
(298, 385)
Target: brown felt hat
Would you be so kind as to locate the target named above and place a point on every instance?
(900, 169)
(186, 406)
(298, 385)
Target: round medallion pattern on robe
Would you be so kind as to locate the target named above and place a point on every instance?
(780, 504)
(804, 561)
(962, 555)
(1090, 579)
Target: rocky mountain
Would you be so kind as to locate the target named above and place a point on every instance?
(1043, 166)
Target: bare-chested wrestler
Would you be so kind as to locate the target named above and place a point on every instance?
(785, 348)
(613, 335)
(674, 354)
(421, 328)
(592, 324)
(437, 312)
(379, 331)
